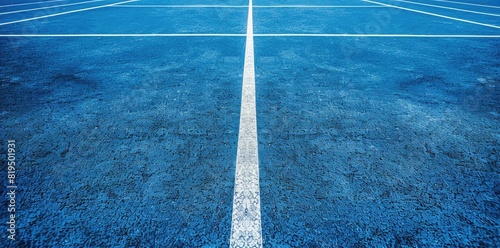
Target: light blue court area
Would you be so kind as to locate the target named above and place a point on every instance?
(129, 142)
(378, 142)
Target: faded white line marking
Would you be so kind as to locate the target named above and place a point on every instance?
(246, 230)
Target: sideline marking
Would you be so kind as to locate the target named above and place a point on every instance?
(261, 35)
(432, 14)
(49, 7)
(472, 4)
(443, 7)
(246, 229)
(64, 13)
(21, 4)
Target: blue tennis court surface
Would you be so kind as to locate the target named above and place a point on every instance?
(348, 123)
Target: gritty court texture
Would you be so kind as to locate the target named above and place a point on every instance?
(264, 123)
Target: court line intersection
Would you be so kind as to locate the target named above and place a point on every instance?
(32, 3)
(450, 8)
(64, 13)
(246, 229)
(433, 14)
(49, 7)
(471, 4)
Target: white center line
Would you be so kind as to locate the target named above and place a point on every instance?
(246, 230)
(49, 7)
(442, 7)
(21, 4)
(432, 14)
(64, 13)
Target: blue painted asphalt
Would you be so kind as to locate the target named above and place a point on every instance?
(363, 141)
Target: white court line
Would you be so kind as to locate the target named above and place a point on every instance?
(443, 7)
(260, 35)
(318, 6)
(383, 35)
(246, 230)
(21, 4)
(432, 14)
(472, 4)
(49, 7)
(123, 35)
(179, 6)
(64, 13)
(244, 6)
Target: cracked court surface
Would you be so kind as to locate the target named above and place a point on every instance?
(375, 123)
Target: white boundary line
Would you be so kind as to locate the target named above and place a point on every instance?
(318, 6)
(443, 7)
(432, 14)
(64, 13)
(259, 35)
(244, 6)
(179, 6)
(49, 7)
(123, 35)
(246, 229)
(382, 35)
(472, 4)
(21, 4)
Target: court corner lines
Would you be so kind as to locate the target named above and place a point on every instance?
(246, 230)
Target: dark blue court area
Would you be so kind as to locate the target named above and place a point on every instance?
(378, 122)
